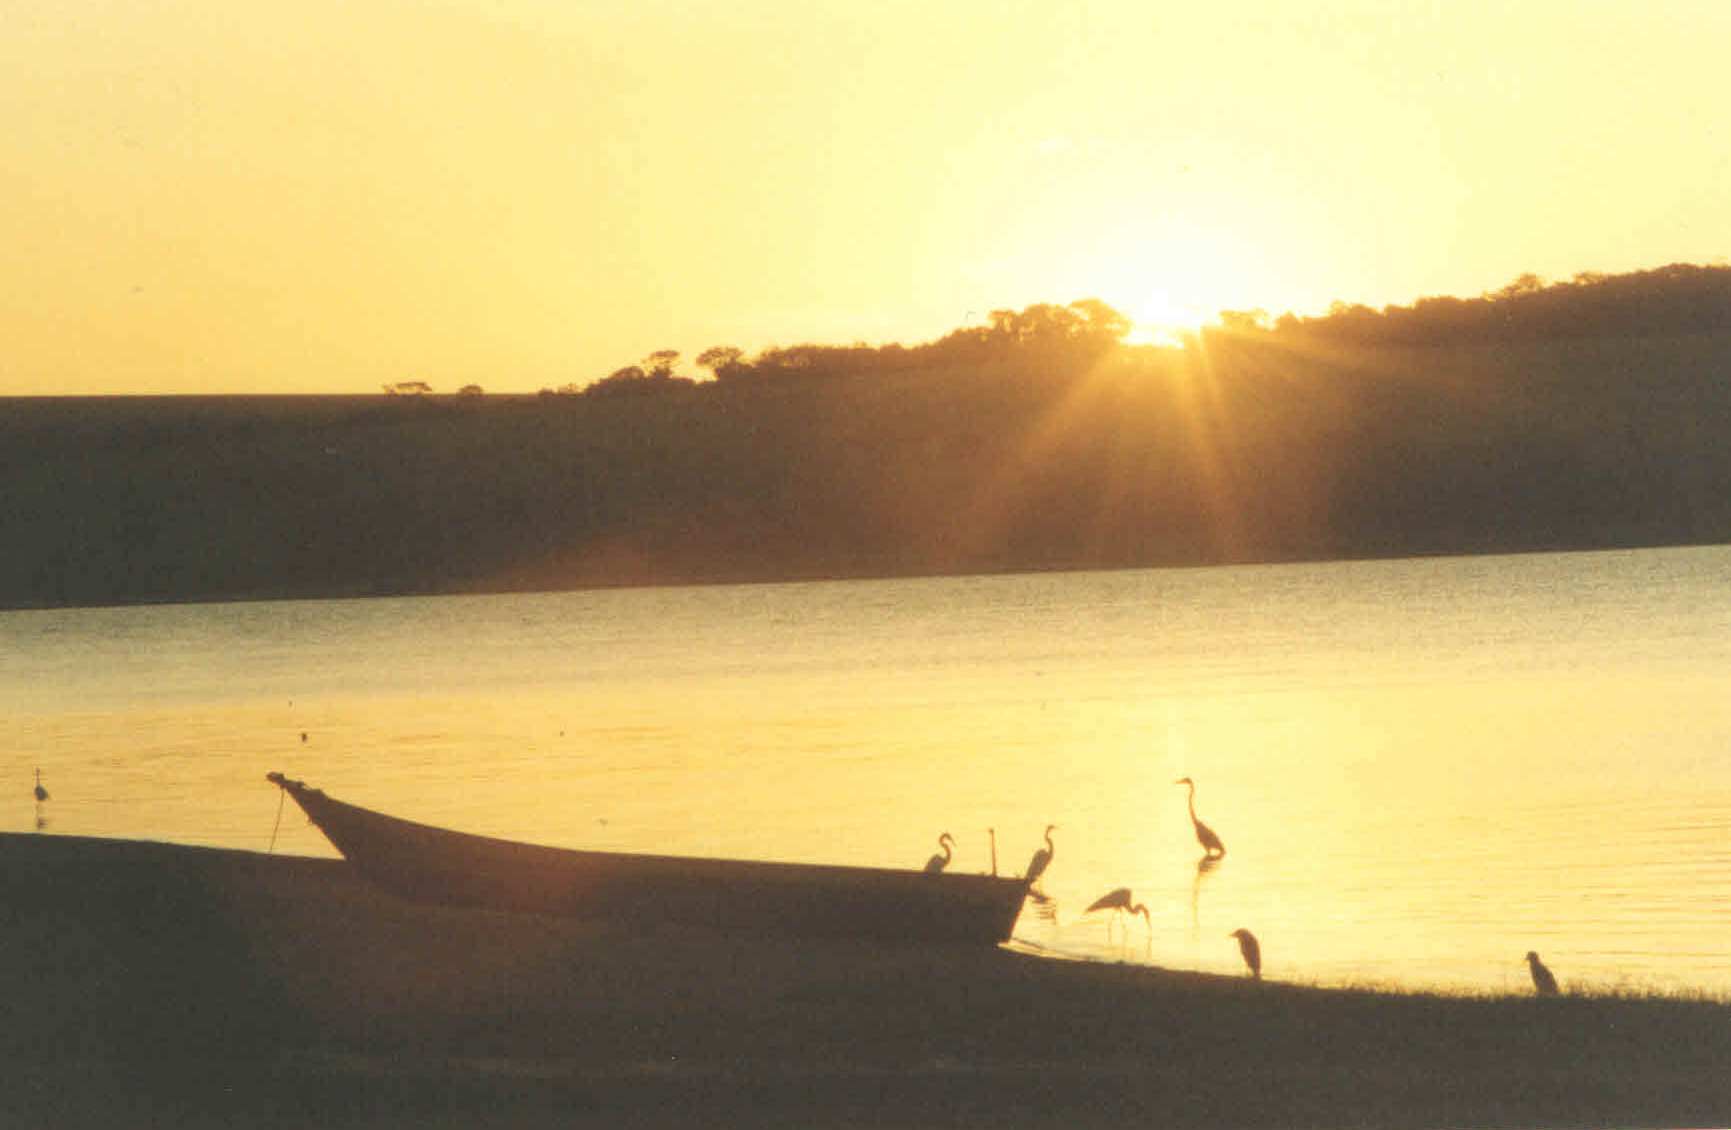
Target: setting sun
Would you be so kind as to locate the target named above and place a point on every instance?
(1161, 319)
(524, 195)
(1174, 273)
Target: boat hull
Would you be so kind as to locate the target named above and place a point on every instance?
(436, 865)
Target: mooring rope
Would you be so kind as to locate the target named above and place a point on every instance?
(281, 796)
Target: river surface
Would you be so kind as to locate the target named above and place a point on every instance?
(1420, 769)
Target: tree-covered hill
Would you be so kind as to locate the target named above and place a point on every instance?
(1035, 442)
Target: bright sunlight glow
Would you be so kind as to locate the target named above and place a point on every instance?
(1162, 319)
(1174, 274)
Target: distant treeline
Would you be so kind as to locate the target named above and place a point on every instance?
(1037, 441)
(1041, 333)
(1677, 299)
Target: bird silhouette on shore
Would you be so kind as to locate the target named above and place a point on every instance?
(938, 862)
(992, 833)
(1120, 903)
(1042, 858)
(41, 793)
(1543, 982)
(1212, 848)
(1251, 949)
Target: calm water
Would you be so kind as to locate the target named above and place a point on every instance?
(1421, 769)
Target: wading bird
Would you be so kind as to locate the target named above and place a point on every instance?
(1543, 983)
(1252, 952)
(993, 833)
(1212, 848)
(1119, 901)
(1042, 858)
(938, 862)
(41, 793)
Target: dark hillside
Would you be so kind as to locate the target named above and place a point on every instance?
(1252, 446)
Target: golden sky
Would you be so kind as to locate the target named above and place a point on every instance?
(227, 196)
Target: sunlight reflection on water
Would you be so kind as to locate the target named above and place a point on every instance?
(1421, 769)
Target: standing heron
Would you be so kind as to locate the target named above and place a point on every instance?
(938, 862)
(1119, 901)
(1543, 982)
(41, 793)
(1247, 945)
(1212, 848)
(1042, 858)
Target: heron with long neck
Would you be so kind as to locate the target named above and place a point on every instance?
(41, 793)
(1212, 848)
(1042, 858)
(938, 862)
(1120, 902)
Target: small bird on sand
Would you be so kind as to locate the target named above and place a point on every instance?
(1543, 982)
(41, 793)
(1247, 945)
(938, 862)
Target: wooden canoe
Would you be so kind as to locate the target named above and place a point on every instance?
(436, 865)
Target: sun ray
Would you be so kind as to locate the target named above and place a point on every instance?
(1003, 500)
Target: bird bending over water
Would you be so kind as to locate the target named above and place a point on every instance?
(1543, 982)
(1252, 952)
(1042, 858)
(1212, 848)
(938, 862)
(41, 793)
(1119, 900)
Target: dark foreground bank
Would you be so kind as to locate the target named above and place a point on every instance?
(157, 985)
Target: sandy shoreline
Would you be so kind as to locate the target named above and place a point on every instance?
(160, 985)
